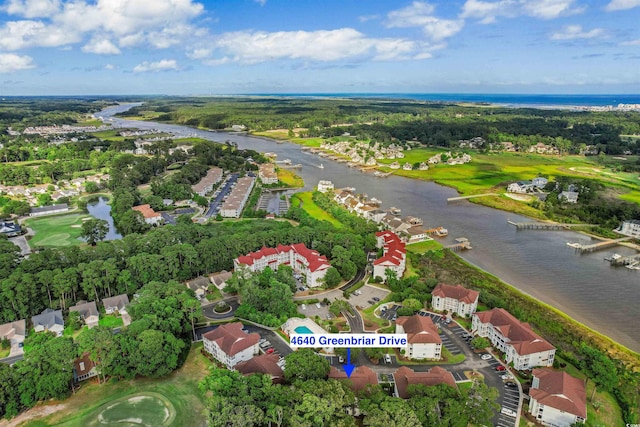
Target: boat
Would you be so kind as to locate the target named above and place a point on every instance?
(321, 166)
(441, 232)
(613, 257)
(633, 266)
(395, 211)
(574, 245)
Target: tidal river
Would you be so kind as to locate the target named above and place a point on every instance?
(537, 262)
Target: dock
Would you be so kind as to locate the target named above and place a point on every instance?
(546, 225)
(597, 246)
(625, 260)
(453, 199)
(462, 244)
(296, 166)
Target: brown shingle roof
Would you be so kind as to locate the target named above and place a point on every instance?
(83, 365)
(263, 364)
(231, 339)
(560, 391)
(405, 377)
(360, 378)
(456, 292)
(419, 329)
(520, 334)
(146, 211)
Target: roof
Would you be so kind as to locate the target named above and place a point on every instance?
(213, 175)
(457, 292)
(86, 310)
(221, 277)
(360, 378)
(263, 364)
(313, 258)
(198, 283)
(231, 339)
(48, 318)
(83, 365)
(523, 339)
(560, 391)
(61, 206)
(9, 227)
(146, 211)
(404, 377)
(9, 330)
(419, 329)
(120, 301)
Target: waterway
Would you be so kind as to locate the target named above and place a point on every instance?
(101, 210)
(537, 262)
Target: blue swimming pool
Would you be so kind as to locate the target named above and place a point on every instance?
(303, 330)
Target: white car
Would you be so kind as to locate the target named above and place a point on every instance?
(508, 412)
(387, 358)
(485, 356)
(506, 377)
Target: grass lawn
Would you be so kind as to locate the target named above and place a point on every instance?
(312, 209)
(55, 231)
(111, 321)
(4, 352)
(213, 293)
(422, 247)
(170, 401)
(289, 178)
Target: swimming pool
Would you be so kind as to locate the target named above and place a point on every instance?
(303, 330)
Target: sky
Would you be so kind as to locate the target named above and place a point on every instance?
(187, 47)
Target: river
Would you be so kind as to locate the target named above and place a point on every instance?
(537, 262)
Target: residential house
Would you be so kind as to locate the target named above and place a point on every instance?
(394, 165)
(557, 399)
(151, 217)
(302, 259)
(630, 228)
(407, 166)
(220, 279)
(416, 234)
(404, 377)
(361, 378)
(267, 173)
(569, 196)
(199, 286)
(455, 299)
(10, 229)
(520, 344)
(539, 182)
(508, 146)
(520, 187)
(394, 255)
(268, 364)
(230, 345)
(423, 340)
(88, 313)
(83, 368)
(325, 186)
(49, 210)
(117, 304)
(15, 332)
(49, 321)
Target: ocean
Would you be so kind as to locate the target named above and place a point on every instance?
(511, 100)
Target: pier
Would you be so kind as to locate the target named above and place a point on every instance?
(296, 166)
(453, 199)
(546, 225)
(625, 260)
(462, 244)
(597, 246)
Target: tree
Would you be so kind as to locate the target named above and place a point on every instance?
(409, 307)
(91, 187)
(74, 321)
(480, 343)
(304, 365)
(44, 199)
(332, 277)
(94, 230)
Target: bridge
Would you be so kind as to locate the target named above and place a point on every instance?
(597, 246)
(546, 225)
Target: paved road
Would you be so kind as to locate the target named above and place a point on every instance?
(12, 359)
(209, 312)
(21, 242)
(214, 205)
(355, 320)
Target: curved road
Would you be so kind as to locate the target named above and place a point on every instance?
(209, 312)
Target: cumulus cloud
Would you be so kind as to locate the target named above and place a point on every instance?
(261, 2)
(322, 45)
(488, 11)
(32, 8)
(572, 32)
(420, 14)
(622, 5)
(101, 47)
(162, 65)
(17, 35)
(10, 62)
(631, 43)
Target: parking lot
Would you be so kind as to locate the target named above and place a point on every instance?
(390, 313)
(317, 309)
(367, 296)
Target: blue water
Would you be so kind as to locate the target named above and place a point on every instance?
(303, 330)
(489, 98)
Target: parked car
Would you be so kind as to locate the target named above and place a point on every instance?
(508, 412)
(340, 359)
(376, 299)
(507, 377)
(270, 350)
(371, 302)
(511, 384)
(485, 356)
(387, 358)
(500, 368)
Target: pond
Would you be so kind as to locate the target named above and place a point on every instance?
(102, 210)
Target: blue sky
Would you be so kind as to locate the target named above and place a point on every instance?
(69, 47)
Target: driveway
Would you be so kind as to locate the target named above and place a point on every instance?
(209, 310)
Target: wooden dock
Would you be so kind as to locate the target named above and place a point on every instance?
(462, 244)
(453, 199)
(546, 225)
(625, 260)
(600, 245)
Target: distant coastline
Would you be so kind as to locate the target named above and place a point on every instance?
(505, 100)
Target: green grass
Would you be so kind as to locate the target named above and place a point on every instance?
(422, 247)
(111, 321)
(4, 352)
(312, 209)
(289, 178)
(213, 293)
(56, 231)
(179, 390)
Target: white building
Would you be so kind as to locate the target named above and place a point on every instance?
(630, 228)
(325, 186)
(49, 321)
(569, 196)
(539, 182)
(423, 341)
(522, 347)
(557, 399)
(150, 216)
(88, 313)
(235, 201)
(302, 259)
(520, 187)
(230, 345)
(394, 255)
(213, 176)
(455, 299)
(49, 210)
(267, 173)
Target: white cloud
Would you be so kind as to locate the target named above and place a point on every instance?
(572, 32)
(631, 43)
(162, 65)
(109, 67)
(366, 18)
(10, 62)
(261, 2)
(32, 8)
(101, 47)
(17, 35)
(622, 5)
(488, 11)
(420, 14)
(322, 45)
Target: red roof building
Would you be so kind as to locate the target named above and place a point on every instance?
(404, 377)
(150, 216)
(557, 398)
(423, 340)
(455, 299)
(264, 364)
(360, 378)
(394, 255)
(230, 345)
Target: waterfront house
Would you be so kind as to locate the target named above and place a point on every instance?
(150, 216)
(88, 313)
(325, 186)
(416, 234)
(455, 299)
(423, 341)
(49, 321)
(230, 345)
(404, 377)
(117, 304)
(520, 344)
(520, 187)
(557, 399)
(361, 378)
(267, 364)
(267, 173)
(630, 228)
(394, 255)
